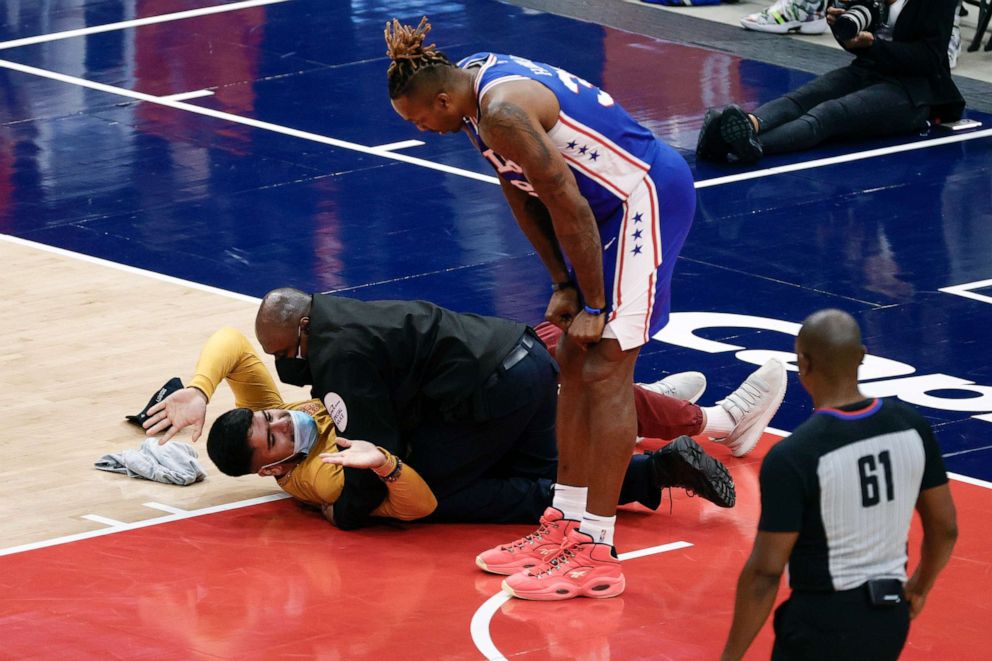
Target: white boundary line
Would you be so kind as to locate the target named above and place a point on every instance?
(165, 508)
(968, 451)
(247, 121)
(127, 269)
(402, 144)
(27, 41)
(186, 96)
(651, 550)
(107, 521)
(479, 627)
(970, 480)
(844, 158)
(965, 290)
(121, 527)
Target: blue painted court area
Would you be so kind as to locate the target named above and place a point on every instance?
(248, 208)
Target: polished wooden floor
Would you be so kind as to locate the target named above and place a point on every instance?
(89, 343)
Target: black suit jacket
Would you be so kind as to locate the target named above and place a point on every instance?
(393, 364)
(917, 57)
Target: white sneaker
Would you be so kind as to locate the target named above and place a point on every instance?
(687, 386)
(753, 405)
(785, 16)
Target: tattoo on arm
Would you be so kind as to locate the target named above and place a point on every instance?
(509, 127)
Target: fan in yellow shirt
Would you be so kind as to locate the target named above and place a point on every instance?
(272, 428)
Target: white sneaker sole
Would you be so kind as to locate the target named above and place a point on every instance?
(751, 434)
(819, 26)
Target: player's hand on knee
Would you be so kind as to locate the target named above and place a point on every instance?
(563, 307)
(587, 328)
(183, 408)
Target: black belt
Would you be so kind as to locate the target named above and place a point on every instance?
(466, 409)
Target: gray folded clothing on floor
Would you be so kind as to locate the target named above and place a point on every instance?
(172, 463)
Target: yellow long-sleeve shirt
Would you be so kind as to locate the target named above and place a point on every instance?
(228, 355)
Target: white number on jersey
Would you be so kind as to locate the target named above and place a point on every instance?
(572, 82)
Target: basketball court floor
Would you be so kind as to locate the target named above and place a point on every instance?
(163, 163)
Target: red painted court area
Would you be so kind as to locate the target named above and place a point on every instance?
(276, 581)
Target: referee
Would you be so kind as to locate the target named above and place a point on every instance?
(837, 498)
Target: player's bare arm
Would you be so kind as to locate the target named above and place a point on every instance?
(535, 222)
(512, 125)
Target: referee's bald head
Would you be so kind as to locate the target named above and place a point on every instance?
(830, 342)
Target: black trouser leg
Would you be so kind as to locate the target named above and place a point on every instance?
(499, 469)
(639, 484)
(795, 104)
(880, 109)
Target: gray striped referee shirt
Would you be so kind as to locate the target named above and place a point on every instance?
(847, 481)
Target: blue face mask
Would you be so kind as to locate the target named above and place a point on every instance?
(304, 438)
(304, 432)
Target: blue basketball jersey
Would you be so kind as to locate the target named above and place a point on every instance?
(607, 150)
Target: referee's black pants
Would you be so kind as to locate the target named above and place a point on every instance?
(850, 102)
(831, 626)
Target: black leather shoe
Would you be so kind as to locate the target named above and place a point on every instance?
(710, 146)
(737, 131)
(683, 464)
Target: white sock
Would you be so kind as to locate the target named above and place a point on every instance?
(718, 422)
(600, 528)
(570, 500)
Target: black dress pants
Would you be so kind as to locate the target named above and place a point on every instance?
(499, 465)
(497, 462)
(851, 102)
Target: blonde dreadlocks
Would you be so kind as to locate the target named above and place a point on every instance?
(405, 47)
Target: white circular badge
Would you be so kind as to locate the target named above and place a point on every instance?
(337, 410)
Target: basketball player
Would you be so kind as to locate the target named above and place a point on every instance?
(607, 207)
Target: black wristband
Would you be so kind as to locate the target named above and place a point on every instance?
(558, 286)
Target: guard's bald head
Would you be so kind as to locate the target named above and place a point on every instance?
(830, 340)
(279, 317)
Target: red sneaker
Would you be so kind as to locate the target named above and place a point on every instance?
(581, 568)
(531, 550)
